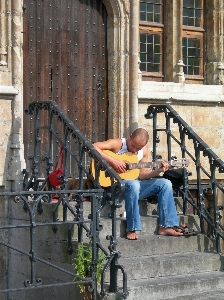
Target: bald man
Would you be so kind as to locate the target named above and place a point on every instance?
(144, 186)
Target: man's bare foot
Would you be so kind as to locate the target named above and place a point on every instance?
(169, 231)
(131, 235)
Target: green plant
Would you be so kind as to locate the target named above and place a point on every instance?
(82, 265)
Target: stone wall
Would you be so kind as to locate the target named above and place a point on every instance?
(11, 116)
(11, 73)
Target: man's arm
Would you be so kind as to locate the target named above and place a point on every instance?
(146, 173)
(113, 145)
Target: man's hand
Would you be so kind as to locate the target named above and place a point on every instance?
(164, 166)
(118, 165)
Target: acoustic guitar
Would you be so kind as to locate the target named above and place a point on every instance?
(133, 166)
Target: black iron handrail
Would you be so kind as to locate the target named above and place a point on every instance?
(51, 128)
(205, 170)
(78, 149)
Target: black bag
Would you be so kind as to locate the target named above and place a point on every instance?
(176, 176)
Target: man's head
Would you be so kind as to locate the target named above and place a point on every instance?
(137, 140)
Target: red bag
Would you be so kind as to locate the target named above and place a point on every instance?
(55, 177)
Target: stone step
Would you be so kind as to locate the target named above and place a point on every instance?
(148, 245)
(149, 220)
(149, 226)
(150, 256)
(149, 223)
(157, 266)
(175, 286)
(176, 257)
(209, 295)
(146, 248)
(146, 208)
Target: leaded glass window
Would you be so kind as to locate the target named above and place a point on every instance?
(192, 13)
(150, 52)
(151, 11)
(157, 27)
(151, 37)
(193, 37)
(191, 56)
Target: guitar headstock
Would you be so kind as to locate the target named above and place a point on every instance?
(182, 162)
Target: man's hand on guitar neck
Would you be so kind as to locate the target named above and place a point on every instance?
(164, 166)
(118, 165)
(146, 174)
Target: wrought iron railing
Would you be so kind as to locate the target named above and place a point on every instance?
(33, 206)
(58, 130)
(51, 128)
(206, 166)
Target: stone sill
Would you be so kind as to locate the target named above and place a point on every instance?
(7, 92)
(180, 92)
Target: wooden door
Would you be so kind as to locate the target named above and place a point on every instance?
(65, 60)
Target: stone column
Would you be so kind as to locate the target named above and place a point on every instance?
(122, 33)
(220, 65)
(173, 41)
(133, 66)
(17, 162)
(117, 42)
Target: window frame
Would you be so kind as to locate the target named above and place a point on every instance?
(184, 32)
(196, 33)
(154, 28)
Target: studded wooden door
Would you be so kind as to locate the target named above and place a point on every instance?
(65, 60)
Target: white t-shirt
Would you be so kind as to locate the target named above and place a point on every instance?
(124, 149)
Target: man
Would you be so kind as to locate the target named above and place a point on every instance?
(146, 185)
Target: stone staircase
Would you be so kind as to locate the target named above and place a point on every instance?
(163, 267)
(158, 267)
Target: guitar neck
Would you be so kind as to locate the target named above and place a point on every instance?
(154, 164)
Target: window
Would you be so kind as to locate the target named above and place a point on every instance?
(192, 13)
(151, 38)
(150, 52)
(158, 39)
(192, 57)
(193, 39)
(150, 11)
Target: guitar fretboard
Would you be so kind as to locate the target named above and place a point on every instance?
(154, 164)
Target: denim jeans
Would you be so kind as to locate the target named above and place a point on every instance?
(140, 189)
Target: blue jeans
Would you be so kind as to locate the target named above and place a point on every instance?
(140, 189)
